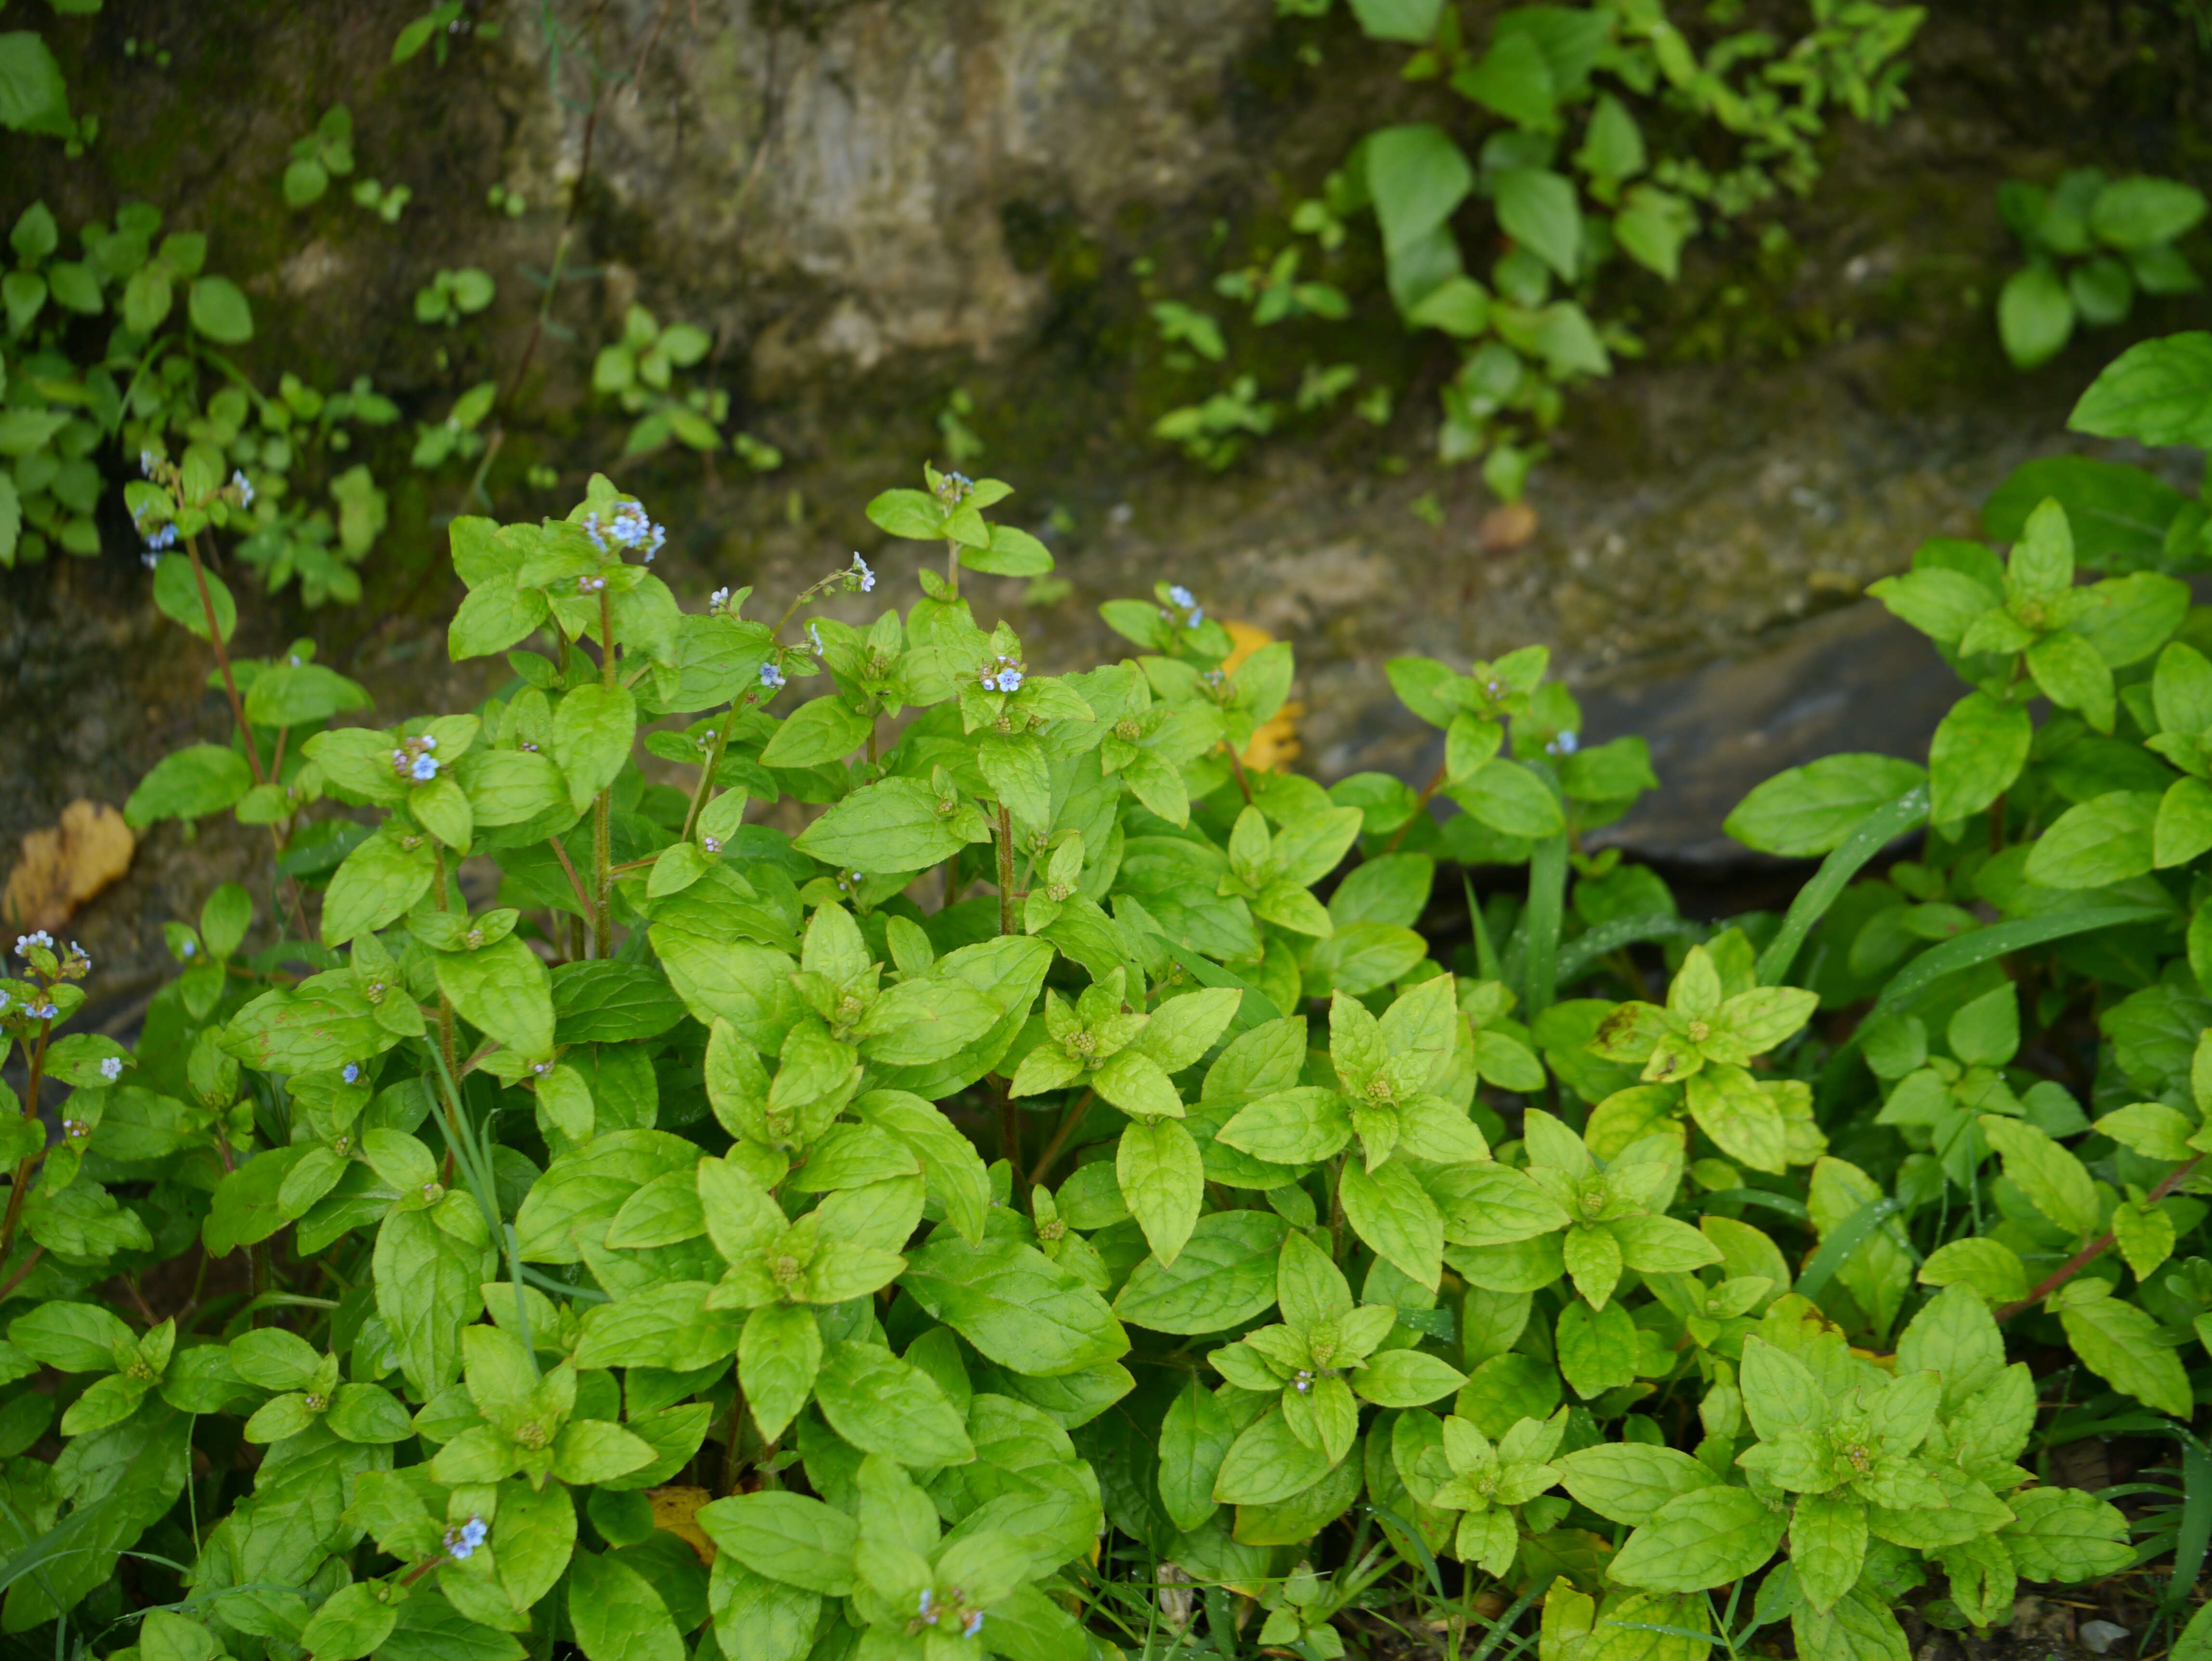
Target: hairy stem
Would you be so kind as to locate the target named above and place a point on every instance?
(1059, 1139)
(1237, 767)
(1005, 870)
(445, 1043)
(701, 795)
(603, 882)
(222, 660)
(602, 874)
(1010, 1131)
(732, 1463)
(17, 1278)
(568, 866)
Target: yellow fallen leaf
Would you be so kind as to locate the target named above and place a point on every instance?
(674, 1511)
(1274, 744)
(63, 868)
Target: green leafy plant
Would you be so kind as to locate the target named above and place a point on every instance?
(436, 28)
(323, 155)
(387, 201)
(1550, 143)
(946, 1212)
(2093, 244)
(449, 296)
(639, 371)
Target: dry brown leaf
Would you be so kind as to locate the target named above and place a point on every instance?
(674, 1511)
(63, 868)
(1508, 525)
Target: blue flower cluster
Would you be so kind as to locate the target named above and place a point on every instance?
(413, 760)
(631, 528)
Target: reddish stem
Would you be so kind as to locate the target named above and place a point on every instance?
(1435, 783)
(2096, 1248)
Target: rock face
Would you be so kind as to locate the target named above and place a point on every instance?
(860, 159)
(870, 205)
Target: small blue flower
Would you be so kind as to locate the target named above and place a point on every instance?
(1197, 617)
(36, 937)
(112, 1068)
(1181, 596)
(1565, 744)
(244, 486)
(461, 1543)
(424, 769)
(770, 676)
(1010, 680)
(718, 602)
(868, 577)
(990, 682)
(350, 1072)
(975, 1624)
(633, 527)
(164, 536)
(146, 463)
(592, 530)
(924, 1604)
(192, 948)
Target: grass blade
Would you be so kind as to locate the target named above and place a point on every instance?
(1548, 894)
(1874, 832)
(2195, 1530)
(1980, 946)
(1836, 1251)
(1255, 1007)
(1579, 955)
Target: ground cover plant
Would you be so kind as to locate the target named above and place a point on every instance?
(1058, 1203)
(1586, 141)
